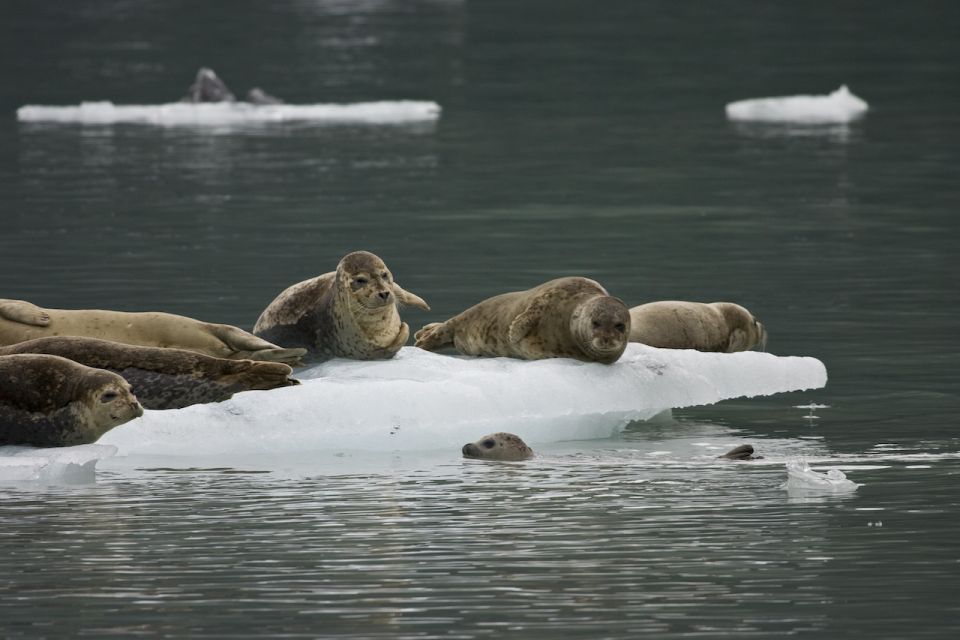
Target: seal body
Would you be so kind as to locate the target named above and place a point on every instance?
(349, 313)
(21, 321)
(498, 446)
(49, 401)
(164, 378)
(743, 452)
(569, 317)
(717, 326)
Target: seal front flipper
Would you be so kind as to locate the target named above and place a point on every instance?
(24, 312)
(527, 320)
(434, 336)
(409, 299)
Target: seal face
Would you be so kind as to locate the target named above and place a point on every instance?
(164, 378)
(498, 446)
(569, 317)
(717, 326)
(21, 321)
(49, 401)
(349, 313)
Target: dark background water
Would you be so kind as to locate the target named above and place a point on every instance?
(576, 138)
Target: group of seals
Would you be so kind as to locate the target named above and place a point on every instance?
(208, 87)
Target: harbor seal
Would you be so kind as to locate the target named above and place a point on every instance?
(569, 317)
(49, 401)
(743, 452)
(349, 313)
(21, 321)
(718, 326)
(498, 446)
(164, 378)
(208, 87)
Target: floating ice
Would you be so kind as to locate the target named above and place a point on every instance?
(233, 113)
(61, 465)
(801, 478)
(423, 401)
(838, 107)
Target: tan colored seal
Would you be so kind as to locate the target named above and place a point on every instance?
(498, 446)
(164, 378)
(564, 318)
(21, 321)
(717, 326)
(349, 313)
(49, 401)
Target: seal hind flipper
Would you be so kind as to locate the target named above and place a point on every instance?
(248, 346)
(434, 336)
(409, 299)
(24, 312)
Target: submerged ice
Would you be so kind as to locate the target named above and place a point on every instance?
(60, 465)
(838, 107)
(424, 401)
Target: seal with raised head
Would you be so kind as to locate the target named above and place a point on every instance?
(21, 321)
(208, 87)
(349, 313)
(717, 326)
(49, 401)
(498, 446)
(164, 378)
(569, 317)
(742, 452)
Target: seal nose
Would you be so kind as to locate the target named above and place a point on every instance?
(384, 295)
(470, 450)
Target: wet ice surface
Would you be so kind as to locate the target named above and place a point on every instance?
(840, 106)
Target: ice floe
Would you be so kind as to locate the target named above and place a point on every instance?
(801, 478)
(841, 106)
(62, 465)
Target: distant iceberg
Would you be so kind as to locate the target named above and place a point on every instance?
(841, 106)
(426, 401)
(233, 113)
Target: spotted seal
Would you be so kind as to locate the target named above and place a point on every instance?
(742, 452)
(717, 326)
(164, 378)
(49, 401)
(569, 317)
(349, 313)
(498, 446)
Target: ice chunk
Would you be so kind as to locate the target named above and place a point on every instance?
(837, 107)
(58, 465)
(801, 478)
(232, 113)
(422, 400)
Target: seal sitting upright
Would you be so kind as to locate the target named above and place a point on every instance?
(564, 318)
(348, 313)
(718, 326)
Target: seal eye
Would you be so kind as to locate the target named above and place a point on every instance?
(109, 396)
(360, 281)
(488, 444)
(620, 327)
(596, 324)
(385, 276)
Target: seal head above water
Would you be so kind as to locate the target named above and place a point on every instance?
(498, 446)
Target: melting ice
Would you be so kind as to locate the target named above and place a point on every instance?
(801, 478)
(838, 107)
(61, 465)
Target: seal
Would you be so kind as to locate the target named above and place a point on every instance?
(498, 446)
(743, 452)
(208, 87)
(717, 326)
(49, 401)
(21, 321)
(349, 313)
(569, 317)
(164, 378)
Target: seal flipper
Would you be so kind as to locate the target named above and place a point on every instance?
(434, 336)
(526, 321)
(24, 312)
(409, 299)
(248, 346)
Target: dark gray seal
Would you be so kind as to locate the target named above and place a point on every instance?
(498, 446)
(49, 401)
(208, 87)
(743, 452)
(164, 378)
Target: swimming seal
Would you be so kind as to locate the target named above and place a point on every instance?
(349, 313)
(164, 378)
(49, 401)
(21, 321)
(569, 317)
(717, 326)
(498, 446)
(743, 452)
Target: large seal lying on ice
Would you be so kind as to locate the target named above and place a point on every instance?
(21, 321)
(564, 318)
(49, 401)
(718, 326)
(498, 446)
(164, 378)
(348, 313)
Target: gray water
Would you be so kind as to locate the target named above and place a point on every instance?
(576, 138)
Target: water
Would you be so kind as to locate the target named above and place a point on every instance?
(575, 139)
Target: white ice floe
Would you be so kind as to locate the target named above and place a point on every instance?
(233, 113)
(838, 107)
(426, 401)
(63, 465)
(801, 478)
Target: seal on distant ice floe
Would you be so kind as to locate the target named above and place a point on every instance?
(164, 378)
(21, 321)
(717, 326)
(498, 446)
(208, 87)
(49, 401)
(743, 452)
(349, 313)
(569, 317)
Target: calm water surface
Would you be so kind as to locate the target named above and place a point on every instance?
(576, 138)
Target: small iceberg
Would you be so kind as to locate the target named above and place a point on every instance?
(62, 465)
(426, 401)
(221, 114)
(839, 107)
(801, 478)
